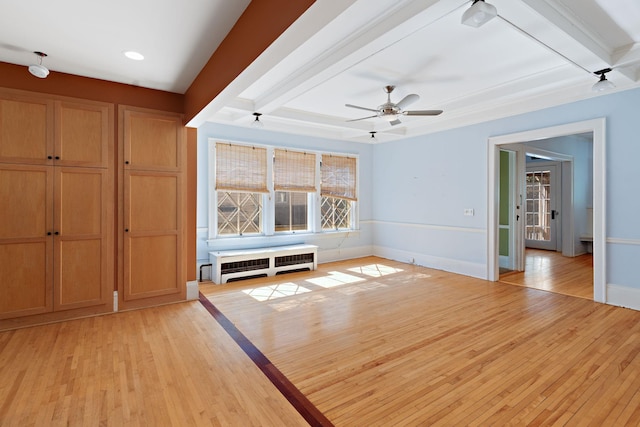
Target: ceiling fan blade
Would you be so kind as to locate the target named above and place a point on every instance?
(395, 122)
(360, 108)
(362, 118)
(408, 100)
(423, 112)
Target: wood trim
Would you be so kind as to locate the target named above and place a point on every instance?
(262, 22)
(299, 401)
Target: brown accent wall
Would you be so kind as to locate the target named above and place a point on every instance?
(262, 22)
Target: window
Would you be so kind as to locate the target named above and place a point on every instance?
(338, 191)
(336, 213)
(294, 176)
(241, 179)
(538, 213)
(291, 211)
(239, 213)
(264, 191)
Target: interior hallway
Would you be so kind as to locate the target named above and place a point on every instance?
(550, 271)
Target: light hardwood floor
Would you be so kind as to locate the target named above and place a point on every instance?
(373, 342)
(370, 342)
(170, 365)
(550, 271)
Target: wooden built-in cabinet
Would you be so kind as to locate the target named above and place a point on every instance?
(152, 218)
(56, 211)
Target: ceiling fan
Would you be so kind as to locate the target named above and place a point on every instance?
(390, 111)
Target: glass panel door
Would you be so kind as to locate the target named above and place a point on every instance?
(541, 214)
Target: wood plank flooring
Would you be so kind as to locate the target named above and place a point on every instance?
(165, 366)
(550, 271)
(369, 342)
(372, 342)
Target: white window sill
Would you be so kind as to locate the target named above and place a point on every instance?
(247, 242)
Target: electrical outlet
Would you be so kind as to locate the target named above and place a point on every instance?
(468, 212)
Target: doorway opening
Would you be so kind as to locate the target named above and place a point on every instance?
(573, 208)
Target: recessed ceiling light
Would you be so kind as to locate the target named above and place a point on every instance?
(131, 54)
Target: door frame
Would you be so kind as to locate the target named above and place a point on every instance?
(598, 128)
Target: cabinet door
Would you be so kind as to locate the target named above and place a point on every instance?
(26, 125)
(82, 242)
(83, 134)
(26, 218)
(153, 234)
(152, 141)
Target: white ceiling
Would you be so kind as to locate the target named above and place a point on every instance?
(87, 38)
(535, 54)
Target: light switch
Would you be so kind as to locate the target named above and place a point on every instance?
(468, 212)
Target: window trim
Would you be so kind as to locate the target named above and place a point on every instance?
(268, 213)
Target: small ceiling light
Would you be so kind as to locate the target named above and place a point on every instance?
(131, 54)
(603, 84)
(373, 136)
(479, 14)
(257, 123)
(39, 70)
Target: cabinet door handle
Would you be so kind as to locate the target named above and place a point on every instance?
(49, 157)
(49, 234)
(126, 162)
(56, 233)
(57, 157)
(126, 230)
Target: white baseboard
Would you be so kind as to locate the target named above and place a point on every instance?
(623, 296)
(331, 255)
(478, 270)
(192, 290)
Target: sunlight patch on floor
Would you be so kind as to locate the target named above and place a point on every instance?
(335, 278)
(352, 290)
(271, 292)
(305, 300)
(375, 270)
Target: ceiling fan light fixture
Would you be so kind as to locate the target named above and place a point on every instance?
(390, 117)
(603, 84)
(39, 70)
(479, 14)
(257, 123)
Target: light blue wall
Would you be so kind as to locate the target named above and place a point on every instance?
(331, 246)
(413, 192)
(423, 184)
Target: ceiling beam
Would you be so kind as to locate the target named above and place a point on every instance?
(567, 36)
(333, 50)
(262, 22)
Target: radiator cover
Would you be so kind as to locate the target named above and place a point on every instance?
(236, 264)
